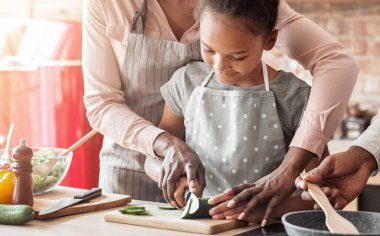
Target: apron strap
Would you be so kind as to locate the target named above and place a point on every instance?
(204, 83)
(138, 21)
(265, 75)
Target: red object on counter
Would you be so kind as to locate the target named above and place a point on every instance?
(46, 105)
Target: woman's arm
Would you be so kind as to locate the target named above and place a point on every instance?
(173, 124)
(106, 108)
(332, 67)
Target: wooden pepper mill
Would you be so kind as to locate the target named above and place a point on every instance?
(22, 168)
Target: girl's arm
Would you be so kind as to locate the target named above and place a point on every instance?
(174, 125)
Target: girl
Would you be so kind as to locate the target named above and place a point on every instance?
(236, 113)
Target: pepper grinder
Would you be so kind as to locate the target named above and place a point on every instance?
(22, 168)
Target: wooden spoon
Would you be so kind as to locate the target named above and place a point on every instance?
(334, 222)
(5, 156)
(44, 169)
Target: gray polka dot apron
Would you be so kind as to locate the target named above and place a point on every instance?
(237, 134)
(149, 63)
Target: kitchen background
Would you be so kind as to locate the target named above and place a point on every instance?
(41, 84)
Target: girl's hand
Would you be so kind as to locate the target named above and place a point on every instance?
(178, 193)
(273, 188)
(222, 211)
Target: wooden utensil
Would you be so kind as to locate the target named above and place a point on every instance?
(334, 222)
(5, 156)
(44, 169)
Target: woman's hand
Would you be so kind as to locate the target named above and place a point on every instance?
(178, 160)
(344, 175)
(272, 188)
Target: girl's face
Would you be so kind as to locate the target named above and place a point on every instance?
(233, 52)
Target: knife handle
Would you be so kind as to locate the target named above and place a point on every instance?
(94, 192)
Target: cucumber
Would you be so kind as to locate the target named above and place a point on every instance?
(196, 208)
(166, 207)
(15, 214)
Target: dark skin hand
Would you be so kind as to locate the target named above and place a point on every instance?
(345, 172)
(271, 189)
(178, 160)
(221, 211)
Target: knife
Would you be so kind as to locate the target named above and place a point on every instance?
(90, 194)
(186, 195)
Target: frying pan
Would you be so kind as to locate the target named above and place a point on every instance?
(312, 223)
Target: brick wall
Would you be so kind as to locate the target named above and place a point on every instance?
(356, 23)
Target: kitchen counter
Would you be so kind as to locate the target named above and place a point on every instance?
(93, 224)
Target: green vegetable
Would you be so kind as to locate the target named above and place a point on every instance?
(166, 207)
(15, 214)
(40, 158)
(196, 208)
(134, 210)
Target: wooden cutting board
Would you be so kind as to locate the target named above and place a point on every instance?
(170, 219)
(106, 201)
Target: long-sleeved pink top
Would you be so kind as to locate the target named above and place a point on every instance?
(104, 45)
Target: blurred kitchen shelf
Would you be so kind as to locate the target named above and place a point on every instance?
(32, 65)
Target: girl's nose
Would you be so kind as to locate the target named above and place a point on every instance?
(219, 63)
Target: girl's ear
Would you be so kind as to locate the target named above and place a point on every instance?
(271, 40)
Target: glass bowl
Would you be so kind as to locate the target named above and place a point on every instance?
(49, 169)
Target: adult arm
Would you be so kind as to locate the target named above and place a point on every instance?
(350, 168)
(332, 68)
(106, 107)
(370, 139)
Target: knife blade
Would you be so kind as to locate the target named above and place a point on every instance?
(186, 195)
(87, 195)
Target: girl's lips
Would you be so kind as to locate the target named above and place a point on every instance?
(225, 75)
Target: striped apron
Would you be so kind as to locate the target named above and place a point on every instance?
(151, 62)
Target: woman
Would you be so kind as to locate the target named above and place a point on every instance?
(128, 56)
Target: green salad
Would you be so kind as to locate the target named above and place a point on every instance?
(40, 183)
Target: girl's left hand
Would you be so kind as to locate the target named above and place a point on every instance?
(222, 211)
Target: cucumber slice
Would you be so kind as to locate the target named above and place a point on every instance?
(134, 210)
(166, 207)
(196, 208)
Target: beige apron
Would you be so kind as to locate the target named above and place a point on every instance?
(151, 62)
(237, 134)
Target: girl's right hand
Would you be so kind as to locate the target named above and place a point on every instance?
(180, 191)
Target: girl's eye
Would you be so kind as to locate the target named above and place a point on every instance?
(207, 50)
(238, 58)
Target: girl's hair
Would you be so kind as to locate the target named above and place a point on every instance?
(258, 16)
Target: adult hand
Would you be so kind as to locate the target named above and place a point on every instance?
(272, 188)
(178, 160)
(345, 172)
